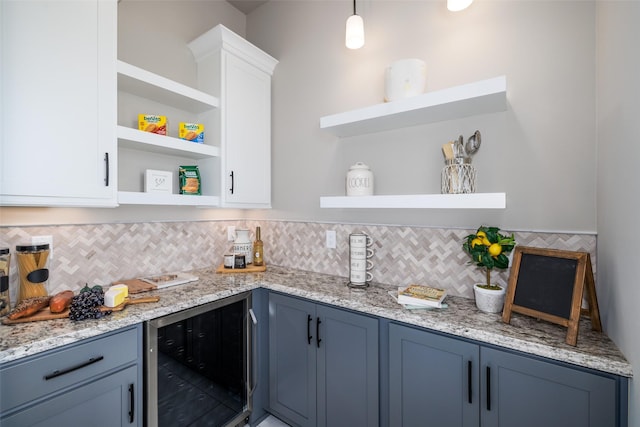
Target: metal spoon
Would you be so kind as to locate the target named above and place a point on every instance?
(473, 143)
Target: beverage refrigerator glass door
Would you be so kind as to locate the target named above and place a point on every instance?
(198, 365)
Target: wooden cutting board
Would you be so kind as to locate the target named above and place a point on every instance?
(45, 313)
(153, 283)
(250, 269)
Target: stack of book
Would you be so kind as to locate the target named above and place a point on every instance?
(420, 296)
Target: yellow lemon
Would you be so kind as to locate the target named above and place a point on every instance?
(495, 249)
(481, 234)
(486, 241)
(475, 242)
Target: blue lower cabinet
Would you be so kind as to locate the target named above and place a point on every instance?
(436, 380)
(95, 382)
(323, 364)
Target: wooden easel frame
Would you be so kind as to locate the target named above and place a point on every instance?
(583, 282)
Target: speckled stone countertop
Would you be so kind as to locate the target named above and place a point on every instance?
(461, 318)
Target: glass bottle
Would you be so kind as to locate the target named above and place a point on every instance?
(258, 249)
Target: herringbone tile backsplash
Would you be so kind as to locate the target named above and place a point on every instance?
(102, 253)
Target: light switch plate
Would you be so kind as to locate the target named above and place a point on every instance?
(331, 239)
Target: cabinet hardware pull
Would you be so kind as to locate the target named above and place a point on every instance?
(469, 375)
(488, 388)
(106, 174)
(132, 401)
(73, 368)
(254, 352)
(318, 340)
(309, 337)
(231, 175)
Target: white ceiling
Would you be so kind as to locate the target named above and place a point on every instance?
(246, 6)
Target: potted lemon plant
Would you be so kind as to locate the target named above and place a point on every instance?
(488, 249)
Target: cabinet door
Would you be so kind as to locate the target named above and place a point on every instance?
(58, 87)
(347, 346)
(433, 380)
(106, 402)
(246, 133)
(292, 359)
(520, 391)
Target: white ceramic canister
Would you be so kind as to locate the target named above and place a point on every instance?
(359, 180)
(243, 245)
(405, 78)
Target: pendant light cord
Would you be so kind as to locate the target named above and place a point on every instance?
(354, 7)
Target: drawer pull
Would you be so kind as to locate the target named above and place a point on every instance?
(73, 368)
(309, 337)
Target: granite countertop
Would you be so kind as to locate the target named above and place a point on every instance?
(461, 318)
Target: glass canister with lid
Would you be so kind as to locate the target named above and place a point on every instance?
(33, 270)
(5, 301)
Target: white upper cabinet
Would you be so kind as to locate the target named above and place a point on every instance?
(239, 73)
(58, 91)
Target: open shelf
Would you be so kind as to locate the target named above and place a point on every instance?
(486, 96)
(152, 86)
(141, 198)
(162, 144)
(418, 201)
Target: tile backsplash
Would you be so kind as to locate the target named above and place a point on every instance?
(102, 253)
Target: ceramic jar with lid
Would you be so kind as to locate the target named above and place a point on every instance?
(243, 245)
(359, 180)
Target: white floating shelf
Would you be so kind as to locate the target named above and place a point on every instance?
(141, 198)
(486, 96)
(146, 84)
(162, 144)
(419, 201)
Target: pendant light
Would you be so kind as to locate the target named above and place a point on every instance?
(458, 5)
(355, 30)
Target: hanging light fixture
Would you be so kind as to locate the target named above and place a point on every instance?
(458, 5)
(355, 30)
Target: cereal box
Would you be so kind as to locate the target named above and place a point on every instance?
(193, 132)
(152, 123)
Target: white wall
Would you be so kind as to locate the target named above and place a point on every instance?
(618, 191)
(541, 152)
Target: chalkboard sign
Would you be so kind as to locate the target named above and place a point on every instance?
(549, 284)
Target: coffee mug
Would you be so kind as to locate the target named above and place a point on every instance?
(359, 240)
(361, 264)
(361, 253)
(360, 276)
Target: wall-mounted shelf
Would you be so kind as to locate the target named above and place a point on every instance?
(152, 86)
(162, 144)
(486, 96)
(418, 201)
(141, 198)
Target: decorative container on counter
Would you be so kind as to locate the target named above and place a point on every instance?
(489, 300)
(359, 180)
(243, 245)
(5, 302)
(33, 271)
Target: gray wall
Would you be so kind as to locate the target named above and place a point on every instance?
(618, 190)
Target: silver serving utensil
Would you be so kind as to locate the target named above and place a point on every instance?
(473, 143)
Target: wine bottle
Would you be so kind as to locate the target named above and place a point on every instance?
(258, 250)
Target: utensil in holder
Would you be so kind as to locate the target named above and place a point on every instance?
(458, 176)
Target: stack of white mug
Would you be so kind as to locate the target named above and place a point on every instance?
(360, 264)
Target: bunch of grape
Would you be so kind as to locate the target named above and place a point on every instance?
(86, 305)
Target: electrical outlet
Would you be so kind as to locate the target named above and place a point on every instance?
(231, 233)
(331, 239)
(40, 240)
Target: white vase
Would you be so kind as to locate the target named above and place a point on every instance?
(488, 300)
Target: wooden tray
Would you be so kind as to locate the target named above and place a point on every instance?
(45, 313)
(250, 269)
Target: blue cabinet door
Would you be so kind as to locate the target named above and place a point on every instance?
(347, 368)
(433, 380)
(526, 392)
(292, 359)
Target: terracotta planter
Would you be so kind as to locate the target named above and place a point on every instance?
(488, 300)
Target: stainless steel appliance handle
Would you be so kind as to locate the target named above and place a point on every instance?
(254, 350)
